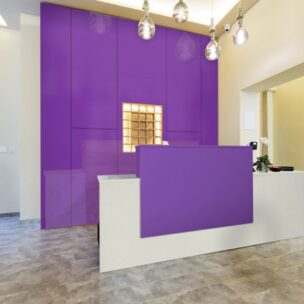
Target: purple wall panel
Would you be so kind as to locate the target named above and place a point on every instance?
(94, 70)
(91, 63)
(184, 138)
(194, 188)
(141, 77)
(94, 152)
(55, 116)
(209, 99)
(184, 56)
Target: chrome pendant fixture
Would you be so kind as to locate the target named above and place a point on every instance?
(180, 12)
(146, 27)
(213, 50)
(241, 35)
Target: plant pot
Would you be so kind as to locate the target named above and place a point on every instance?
(263, 168)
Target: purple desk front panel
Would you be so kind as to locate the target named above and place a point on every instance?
(194, 188)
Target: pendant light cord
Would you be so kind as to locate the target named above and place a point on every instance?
(240, 14)
(212, 9)
(212, 25)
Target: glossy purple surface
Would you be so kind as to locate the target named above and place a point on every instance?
(94, 70)
(91, 64)
(209, 98)
(184, 138)
(94, 152)
(194, 188)
(184, 90)
(141, 77)
(55, 116)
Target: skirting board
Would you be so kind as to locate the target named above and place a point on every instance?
(11, 214)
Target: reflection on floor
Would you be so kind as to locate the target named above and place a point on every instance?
(61, 266)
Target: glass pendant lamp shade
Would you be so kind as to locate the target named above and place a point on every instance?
(241, 35)
(180, 12)
(213, 50)
(146, 27)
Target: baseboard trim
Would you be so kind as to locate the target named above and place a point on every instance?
(30, 221)
(11, 214)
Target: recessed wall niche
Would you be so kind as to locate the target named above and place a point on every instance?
(142, 125)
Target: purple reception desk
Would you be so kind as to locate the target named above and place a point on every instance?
(193, 188)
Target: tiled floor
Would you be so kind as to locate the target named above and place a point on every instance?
(61, 266)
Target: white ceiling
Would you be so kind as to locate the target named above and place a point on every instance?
(11, 9)
(199, 10)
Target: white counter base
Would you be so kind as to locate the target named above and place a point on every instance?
(278, 214)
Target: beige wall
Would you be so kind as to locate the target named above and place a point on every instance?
(288, 112)
(275, 45)
(30, 118)
(9, 120)
(250, 126)
(20, 119)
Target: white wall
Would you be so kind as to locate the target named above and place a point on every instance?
(9, 119)
(30, 118)
(275, 45)
(250, 120)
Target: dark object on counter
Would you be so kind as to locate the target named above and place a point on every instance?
(274, 168)
(253, 145)
(287, 168)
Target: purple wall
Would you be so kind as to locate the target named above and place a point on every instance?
(209, 99)
(141, 77)
(55, 116)
(184, 56)
(194, 188)
(94, 70)
(91, 63)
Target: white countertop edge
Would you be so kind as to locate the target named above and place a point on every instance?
(133, 177)
(269, 173)
(116, 178)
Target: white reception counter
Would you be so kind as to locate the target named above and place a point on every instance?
(278, 214)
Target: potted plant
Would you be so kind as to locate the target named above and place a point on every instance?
(262, 163)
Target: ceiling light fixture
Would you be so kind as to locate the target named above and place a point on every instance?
(146, 27)
(2, 21)
(213, 50)
(241, 35)
(180, 12)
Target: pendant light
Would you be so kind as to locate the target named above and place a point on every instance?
(180, 12)
(146, 27)
(213, 50)
(241, 35)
